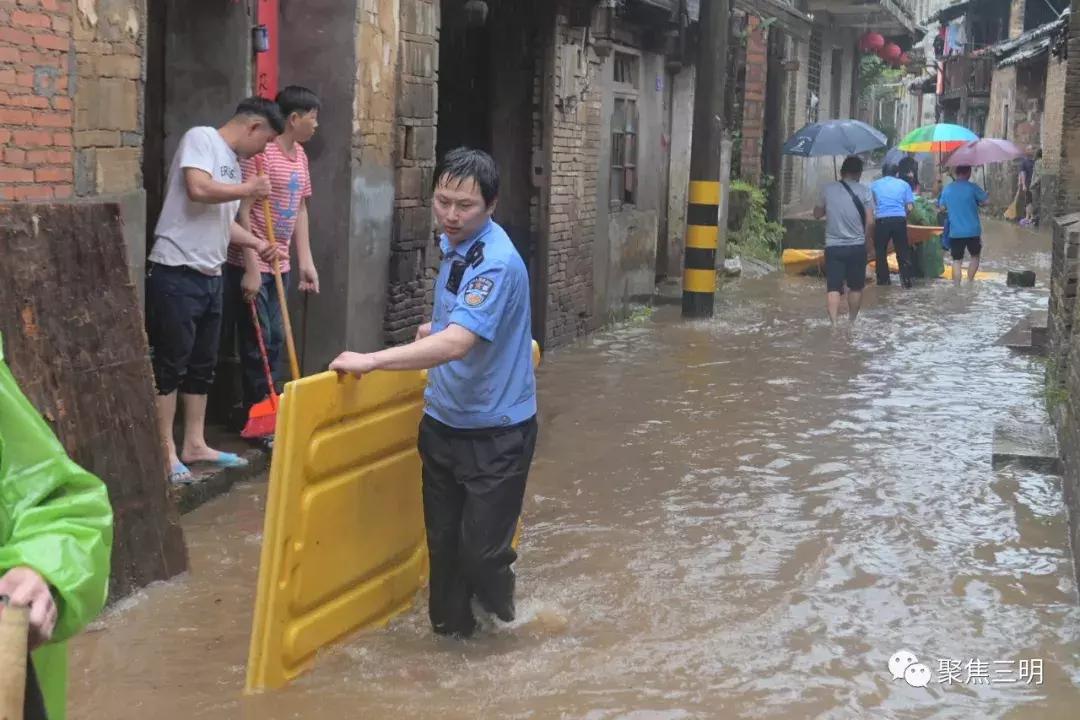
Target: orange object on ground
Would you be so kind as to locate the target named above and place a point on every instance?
(262, 418)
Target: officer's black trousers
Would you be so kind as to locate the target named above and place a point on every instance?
(474, 483)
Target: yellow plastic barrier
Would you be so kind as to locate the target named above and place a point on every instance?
(343, 541)
(797, 262)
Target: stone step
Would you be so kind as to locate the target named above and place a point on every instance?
(1029, 335)
(1039, 321)
(1031, 445)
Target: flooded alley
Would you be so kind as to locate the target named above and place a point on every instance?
(739, 518)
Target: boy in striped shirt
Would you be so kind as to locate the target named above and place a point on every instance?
(248, 277)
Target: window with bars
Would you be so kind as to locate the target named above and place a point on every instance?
(624, 144)
(626, 76)
(813, 76)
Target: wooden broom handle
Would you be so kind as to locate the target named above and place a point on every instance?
(14, 636)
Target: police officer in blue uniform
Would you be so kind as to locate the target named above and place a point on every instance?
(479, 428)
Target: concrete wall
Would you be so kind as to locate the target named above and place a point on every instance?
(795, 116)
(812, 173)
(1053, 127)
(681, 134)
(1001, 178)
(318, 39)
(206, 77)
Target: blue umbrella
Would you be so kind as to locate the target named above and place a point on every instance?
(834, 137)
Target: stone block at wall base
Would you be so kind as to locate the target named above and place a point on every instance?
(804, 233)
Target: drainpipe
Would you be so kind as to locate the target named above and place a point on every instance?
(265, 45)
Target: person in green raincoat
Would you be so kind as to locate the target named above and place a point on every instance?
(55, 537)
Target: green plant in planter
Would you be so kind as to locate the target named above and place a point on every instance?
(757, 236)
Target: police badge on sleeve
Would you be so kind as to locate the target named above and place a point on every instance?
(478, 290)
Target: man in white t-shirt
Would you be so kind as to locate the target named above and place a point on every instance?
(184, 286)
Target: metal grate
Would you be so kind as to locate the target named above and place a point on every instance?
(813, 76)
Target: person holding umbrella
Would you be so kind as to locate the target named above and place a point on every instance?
(961, 200)
(847, 207)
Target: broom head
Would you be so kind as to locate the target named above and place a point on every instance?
(262, 419)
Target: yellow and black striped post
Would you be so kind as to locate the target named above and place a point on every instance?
(702, 237)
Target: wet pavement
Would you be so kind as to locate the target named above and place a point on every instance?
(740, 518)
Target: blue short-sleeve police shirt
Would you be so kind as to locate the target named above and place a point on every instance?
(483, 287)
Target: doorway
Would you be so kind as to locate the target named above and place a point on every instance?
(488, 95)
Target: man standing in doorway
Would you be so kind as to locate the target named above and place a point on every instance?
(893, 200)
(847, 207)
(184, 286)
(248, 279)
(479, 428)
(961, 200)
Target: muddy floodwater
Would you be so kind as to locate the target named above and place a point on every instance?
(740, 518)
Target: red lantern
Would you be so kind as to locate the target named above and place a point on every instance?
(872, 42)
(890, 53)
(905, 59)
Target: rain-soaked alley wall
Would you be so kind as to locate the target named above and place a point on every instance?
(1063, 366)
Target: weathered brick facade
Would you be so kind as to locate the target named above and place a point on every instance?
(70, 98)
(109, 44)
(574, 169)
(414, 258)
(753, 119)
(1063, 375)
(36, 100)
(1068, 186)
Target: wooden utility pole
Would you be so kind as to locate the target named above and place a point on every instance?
(707, 187)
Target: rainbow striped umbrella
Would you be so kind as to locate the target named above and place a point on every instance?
(939, 138)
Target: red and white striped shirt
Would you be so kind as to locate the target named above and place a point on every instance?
(291, 181)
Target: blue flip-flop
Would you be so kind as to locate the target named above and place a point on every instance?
(179, 474)
(228, 460)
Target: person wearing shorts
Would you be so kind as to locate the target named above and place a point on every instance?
(205, 191)
(848, 209)
(961, 200)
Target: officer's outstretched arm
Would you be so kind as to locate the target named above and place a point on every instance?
(453, 343)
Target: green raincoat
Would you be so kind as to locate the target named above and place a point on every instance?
(55, 518)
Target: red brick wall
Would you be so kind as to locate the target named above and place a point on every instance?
(35, 100)
(754, 100)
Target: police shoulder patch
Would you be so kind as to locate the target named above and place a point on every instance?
(477, 291)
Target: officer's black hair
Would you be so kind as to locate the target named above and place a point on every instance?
(296, 99)
(266, 109)
(464, 163)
